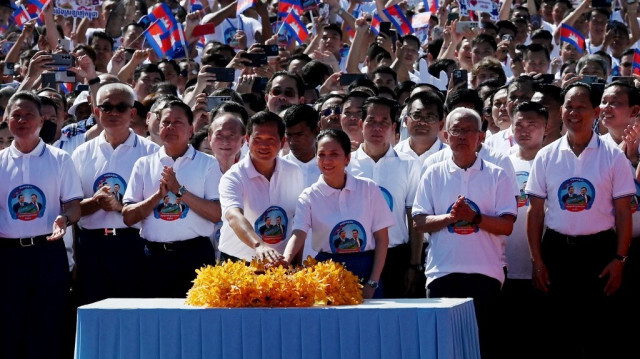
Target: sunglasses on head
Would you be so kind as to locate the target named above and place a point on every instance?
(108, 107)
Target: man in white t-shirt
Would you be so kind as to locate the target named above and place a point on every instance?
(176, 233)
(468, 214)
(259, 188)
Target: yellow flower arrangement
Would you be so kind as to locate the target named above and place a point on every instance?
(234, 284)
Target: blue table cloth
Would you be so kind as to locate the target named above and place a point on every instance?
(167, 328)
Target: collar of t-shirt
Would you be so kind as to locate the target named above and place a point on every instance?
(251, 170)
(594, 142)
(327, 190)
(168, 161)
(360, 154)
(478, 165)
(131, 141)
(37, 151)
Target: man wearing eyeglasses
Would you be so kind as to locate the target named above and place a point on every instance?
(468, 215)
(397, 175)
(424, 122)
(283, 89)
(109, 253)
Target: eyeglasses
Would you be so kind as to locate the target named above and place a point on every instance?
(288, 92)
(430, 118)
(108, 107)
(335, 110)
(456, 132)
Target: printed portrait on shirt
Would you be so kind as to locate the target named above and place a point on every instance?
(348, 237)
(27, 202)
(271, 226)
(171, 208)
(116, 185)
(464, 227)
(387, 197)
(576, 194)
(522, 177)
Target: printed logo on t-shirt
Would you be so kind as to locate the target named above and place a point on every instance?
(464, 227)
(576, 194)
(271, 226)
(113, 183)
(387, 197)
(171, 208)
(230, 36)
(27, 202)
(635, 199)
(348, 237)
(522, 177)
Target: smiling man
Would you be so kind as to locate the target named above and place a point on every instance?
(282, 90)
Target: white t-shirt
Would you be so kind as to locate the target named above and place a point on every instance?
(517, 251)
(268, 205)
(172, 220)
(397, 176)
(405, 147)
(463, 247)
(34, 185)
(579, 191)
(226, 29)
(343, 221)
(501, 142)
(99, 164)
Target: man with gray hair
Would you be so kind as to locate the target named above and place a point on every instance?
(468, 214)
(109, 253)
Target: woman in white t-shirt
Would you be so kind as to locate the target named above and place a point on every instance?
(348, 216)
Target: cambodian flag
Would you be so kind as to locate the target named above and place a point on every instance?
(431, 5)
(420, 20)
(36, 9)
(636, 61)
(164, 14)
(244, 5)
(375, 23)
(398, 19)
(196, 5)
(572, 36)
(21, 16)
(178, 44)
(296, 27)
(159, 38)
(286, 6)
(66, 87)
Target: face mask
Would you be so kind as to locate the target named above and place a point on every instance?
(48, 131)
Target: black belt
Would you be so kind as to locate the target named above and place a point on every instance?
(23, 242)
(175, 246)
(585, 239)
(109, 232)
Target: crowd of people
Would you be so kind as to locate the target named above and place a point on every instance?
(489, 155)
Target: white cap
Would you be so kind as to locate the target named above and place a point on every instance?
(82, 98)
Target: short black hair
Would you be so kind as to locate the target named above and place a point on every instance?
(147, 68)
(428, 98)
(377, 100)
(484, 38)
(529, 106)
(231, 107)
(183, 106)
(507, 25)
(25, 96)
(594, 96)
(235, 96)
(198, 138)
(333, 27)
(297, 114)
(314, 73)
(102, 35)
(631, 91)
(463, 95)
(375, 49)
(440, 65)
(534, 47)
(48, 102)
(410, 38)
(172, 63)
(266, 117)
(165, 87)
(299, 83)
(386, 70)
(338, 135)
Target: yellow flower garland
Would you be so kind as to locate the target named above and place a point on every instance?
(234, 284)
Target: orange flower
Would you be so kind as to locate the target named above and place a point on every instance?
(234, 284)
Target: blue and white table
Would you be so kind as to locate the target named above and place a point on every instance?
(167, 328)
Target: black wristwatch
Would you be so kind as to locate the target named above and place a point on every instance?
(94, 81)
(477, 219)
(418, 267)
(181, 191)
(373, 284)
(622, 259)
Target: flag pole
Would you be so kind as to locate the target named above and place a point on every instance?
(147, 29)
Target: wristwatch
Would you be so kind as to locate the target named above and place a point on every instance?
(418, 267)
(373, 284)
(622, 259)
(181, 191)
(477, 218)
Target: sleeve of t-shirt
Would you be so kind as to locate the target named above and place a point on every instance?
(537, 183)
(414, 178)
(504, 204)
(70, 188)
(507, 166)
(382, 216)
(78, 160)
(302, 219)
(623, 184)
(212, 181)
(135, 187)
(231, 192)
(423, 204)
